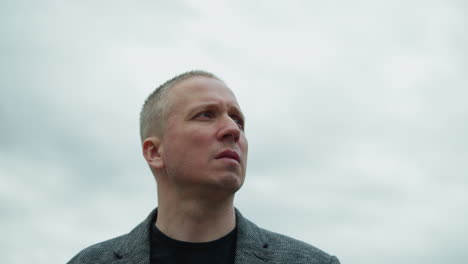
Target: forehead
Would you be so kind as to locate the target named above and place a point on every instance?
(200, 90)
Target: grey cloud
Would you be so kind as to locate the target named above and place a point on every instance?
(356, 119)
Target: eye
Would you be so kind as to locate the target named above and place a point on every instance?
(238, 120)
(205, 115)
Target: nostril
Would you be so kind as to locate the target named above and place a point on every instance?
(231, 135)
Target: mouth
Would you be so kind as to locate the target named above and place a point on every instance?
(228, 154)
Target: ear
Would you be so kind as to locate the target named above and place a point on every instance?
(152, 152)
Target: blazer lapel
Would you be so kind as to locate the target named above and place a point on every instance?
(252, 246)
(136, 248)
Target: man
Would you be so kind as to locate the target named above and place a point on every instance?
(193, 138)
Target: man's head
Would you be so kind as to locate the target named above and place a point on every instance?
(199, 144)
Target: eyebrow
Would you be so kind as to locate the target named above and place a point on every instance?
(215, 105)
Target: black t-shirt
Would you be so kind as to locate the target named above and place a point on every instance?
(165, 250)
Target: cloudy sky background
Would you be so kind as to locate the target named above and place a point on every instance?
(356, 118)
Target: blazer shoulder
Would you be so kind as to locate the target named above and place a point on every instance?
(295, 249)
(101, 252)
(134, 244)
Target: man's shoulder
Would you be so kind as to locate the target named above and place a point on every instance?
(294, 249)
(100, 252)
(267, 244)
(134, 245)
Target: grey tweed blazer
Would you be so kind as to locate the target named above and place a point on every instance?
(254, 246)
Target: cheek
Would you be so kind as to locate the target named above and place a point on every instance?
(244, 144)
(199, 138)
(191, 144)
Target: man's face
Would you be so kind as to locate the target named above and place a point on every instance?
(204, 145)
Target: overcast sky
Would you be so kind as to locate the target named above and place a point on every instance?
(356, 118)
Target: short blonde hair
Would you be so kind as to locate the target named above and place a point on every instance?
(154, 112)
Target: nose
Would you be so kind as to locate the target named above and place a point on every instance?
(229, 129)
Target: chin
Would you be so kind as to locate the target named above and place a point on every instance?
(232, 184)
(229, 183)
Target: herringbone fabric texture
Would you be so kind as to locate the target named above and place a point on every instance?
(254, 245)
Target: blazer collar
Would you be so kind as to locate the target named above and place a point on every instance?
(136, 247)
(251, 246)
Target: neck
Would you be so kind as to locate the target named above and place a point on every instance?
(193, 220)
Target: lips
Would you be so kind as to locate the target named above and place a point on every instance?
(229, 154)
